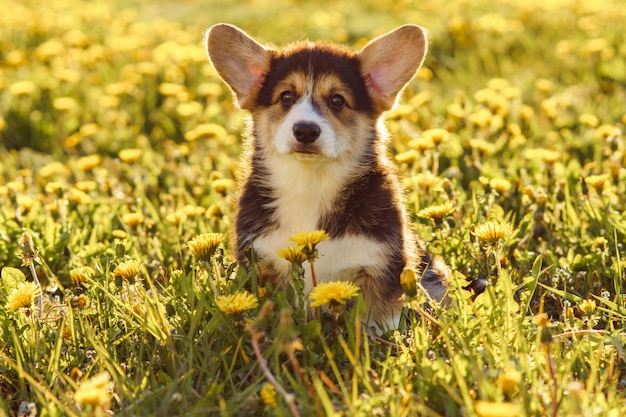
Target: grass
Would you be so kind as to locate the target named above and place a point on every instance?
(120, 147)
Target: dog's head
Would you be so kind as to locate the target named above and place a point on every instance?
(316, 100)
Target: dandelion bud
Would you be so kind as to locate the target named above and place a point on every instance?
(408, 281)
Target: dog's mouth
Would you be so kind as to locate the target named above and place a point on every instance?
(306, 152)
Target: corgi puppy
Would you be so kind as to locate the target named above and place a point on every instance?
(316, 159)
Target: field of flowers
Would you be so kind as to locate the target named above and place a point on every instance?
(119, 159)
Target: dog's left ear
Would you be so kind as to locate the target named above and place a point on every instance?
(390, 61)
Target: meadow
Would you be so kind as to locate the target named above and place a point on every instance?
(119, 160)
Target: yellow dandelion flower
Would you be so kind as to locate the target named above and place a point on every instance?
(268, 395)
(408, 280)
(189, 109)
(53, 168)
(206, 130)
(119, 234)
(501, 185)
(597, 181)
(133, 219)
(95, 391)
(236, 303)
(292, 254)
(588, 307)
(23, 88)
(407, 157)
(22, 296)
(87, 163)
(130, 155)
(86, 186)
(78, 197)
(222, 185)
(495, 409)
(481, 118)
(64, 103)
(437, 212)
(203, 246)
(147, 68)
(209, 89)
(483, 146)
(509, 381)
(492, 231)
(128, 270)
(333, 292)
(588, 120)
(80, 301)
(81, 274)
(601, 242)
(171, 89)
(436, 136)
(526, 112)
(422, 144)
(309, 239)
(89, 129)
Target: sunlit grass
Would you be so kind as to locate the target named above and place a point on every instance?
(119, 157)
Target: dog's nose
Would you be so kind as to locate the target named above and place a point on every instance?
(306, 132)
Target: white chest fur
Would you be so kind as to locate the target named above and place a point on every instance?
(300, 201)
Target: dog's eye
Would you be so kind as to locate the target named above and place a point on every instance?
(337, 101)
(286, 97)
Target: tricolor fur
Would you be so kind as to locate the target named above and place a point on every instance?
(317, 159)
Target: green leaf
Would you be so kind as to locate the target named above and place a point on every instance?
(11, 278)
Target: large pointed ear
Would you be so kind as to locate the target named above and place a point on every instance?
(239, 60)
(390, 61)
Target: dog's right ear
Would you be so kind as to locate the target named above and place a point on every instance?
(239, 60)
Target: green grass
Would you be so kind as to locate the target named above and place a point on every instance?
(532, 97)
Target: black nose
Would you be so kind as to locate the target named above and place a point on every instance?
(306, 132)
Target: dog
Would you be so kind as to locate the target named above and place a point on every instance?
(316, 159)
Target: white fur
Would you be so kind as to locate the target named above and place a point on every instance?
(339, 259)
(303, 111)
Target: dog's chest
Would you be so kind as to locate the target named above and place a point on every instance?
(302, 197)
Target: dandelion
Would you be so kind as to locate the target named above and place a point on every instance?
(77, 196)
(501, 185)
(87, 163)
(222, 185)
(436, 136)
(81, 274)
(80, 301)
(128, 270)
(236, 303)
(437, 212)
(204, 245)
(205, 130)
(268, 395)
(587, 307)
(597, 181)
(22, 296)
(495, 409)
(189, 109)
(422, 144)
(407, 157)
(482, 146)
(493, 231)
(509, 381)
(601, 242)
(130, 155)
(23, 88)
(95, 391)
(588, 120)
(334, 293)
(64, 103)
(408, 280)
(133, 219)
(292, 254)
(308, 240)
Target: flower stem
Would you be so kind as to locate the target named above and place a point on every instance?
(289, 398)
